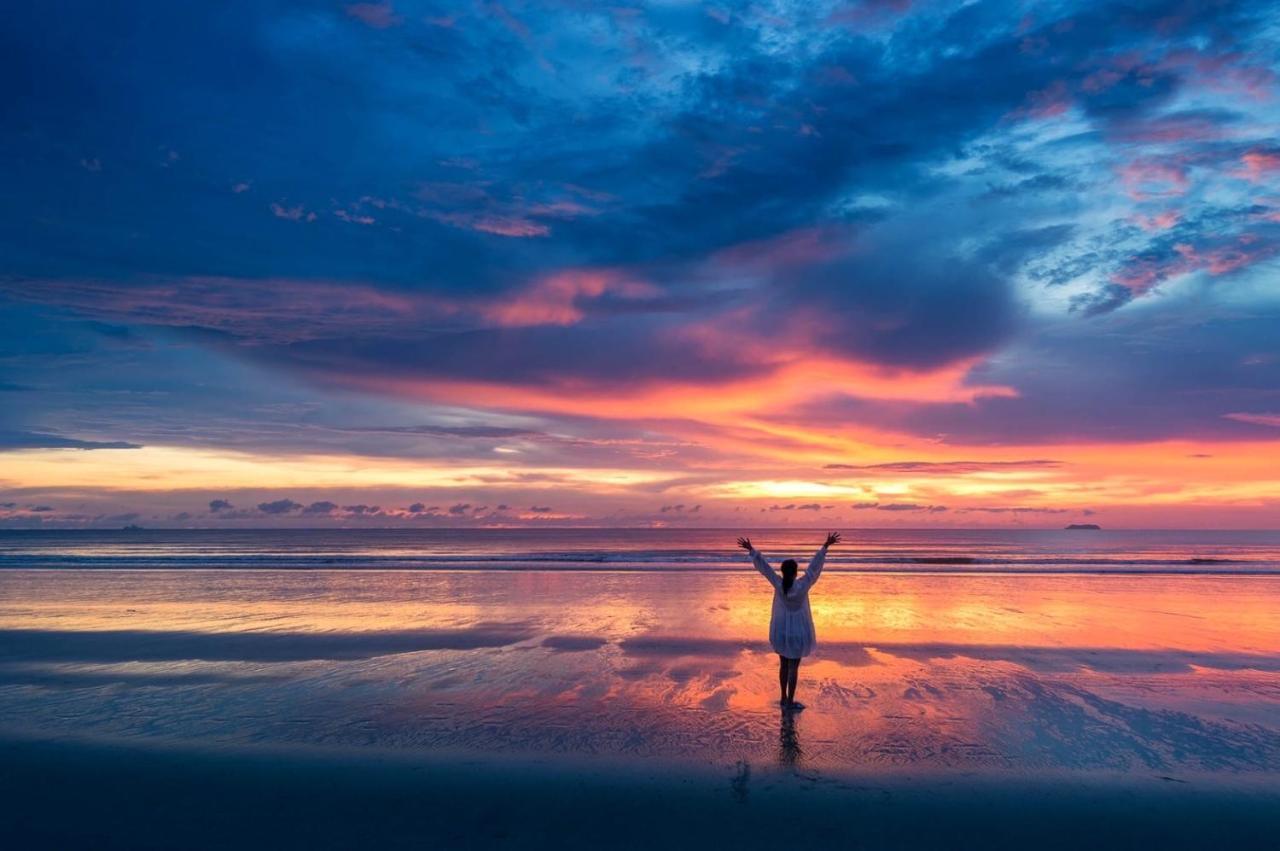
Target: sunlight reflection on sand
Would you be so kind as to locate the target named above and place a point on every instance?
(973, 672)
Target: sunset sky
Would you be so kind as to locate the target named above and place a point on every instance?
(878, 263)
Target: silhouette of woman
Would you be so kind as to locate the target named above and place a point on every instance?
(791, 626)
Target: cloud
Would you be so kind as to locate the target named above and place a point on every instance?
(296, 213)
(927, 227)
(1255, 419)
(217, 505)
(323, 507)
(279, 506)
(1018, 509)
(898, 506)
(948, 468)
(11, 440)
(377, 15)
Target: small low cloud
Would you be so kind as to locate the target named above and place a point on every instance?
(323, 507)
(952, 468)
(898, 506)
(279, 506)
(1018, 509)
(362, 510)
(460, 508)
(216, 505)
(681, 508)
(540, 509)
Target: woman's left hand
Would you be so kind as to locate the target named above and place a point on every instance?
(745, 543)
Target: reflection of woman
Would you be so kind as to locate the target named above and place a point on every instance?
(789, 751)
(791, 626)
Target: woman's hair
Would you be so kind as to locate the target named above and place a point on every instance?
(789, 568)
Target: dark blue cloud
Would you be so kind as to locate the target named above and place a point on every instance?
(248, 190)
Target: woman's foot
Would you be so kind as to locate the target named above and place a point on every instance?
(793, 706)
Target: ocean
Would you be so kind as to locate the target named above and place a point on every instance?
(933, 550)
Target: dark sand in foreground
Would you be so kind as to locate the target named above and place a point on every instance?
(94, 795)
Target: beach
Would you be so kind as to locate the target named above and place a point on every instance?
(96, 795)
(537, 692)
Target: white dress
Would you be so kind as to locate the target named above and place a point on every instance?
(791, 627)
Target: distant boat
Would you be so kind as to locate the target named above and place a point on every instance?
(1085, 527)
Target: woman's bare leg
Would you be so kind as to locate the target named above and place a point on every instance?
(783, 669)
(792, 675)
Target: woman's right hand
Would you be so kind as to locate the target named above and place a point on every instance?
(745, 543)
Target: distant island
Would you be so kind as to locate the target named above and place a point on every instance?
(1083, 526)
(132, 527)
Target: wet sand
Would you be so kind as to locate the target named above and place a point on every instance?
(338, 709)
(70, 794)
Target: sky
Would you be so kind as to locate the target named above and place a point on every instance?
(871, 263)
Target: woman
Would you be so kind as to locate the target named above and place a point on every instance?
(791, 627)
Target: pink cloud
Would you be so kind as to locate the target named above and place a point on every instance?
(837, 75)
(1049, 102)
(1158, 222)
(1150, 178)
(256, 310)
(1224, 259)
(1259, 165)
(801, 247)
(869, 13)
(1224, 72)
(556, 299)
(354, 218)
(515, 26)
(377, 15)
(1143, 274)
(470, 206)
(1272, 420)
(513, 226)
(561, 210)
(1167, 129)
(293, 214)
(1117, 68)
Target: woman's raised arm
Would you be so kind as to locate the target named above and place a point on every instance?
(760, 564)
(814, 570)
